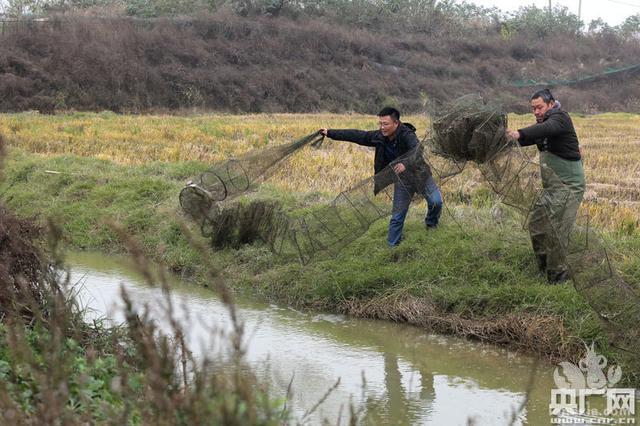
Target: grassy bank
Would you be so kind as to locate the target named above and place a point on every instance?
(478, 280)
(80, 193)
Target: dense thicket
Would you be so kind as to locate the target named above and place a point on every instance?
(288, 57)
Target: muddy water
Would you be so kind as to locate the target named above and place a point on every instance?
(410, 376)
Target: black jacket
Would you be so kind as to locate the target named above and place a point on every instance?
(404, 141)
(408, 151)
(555, 134)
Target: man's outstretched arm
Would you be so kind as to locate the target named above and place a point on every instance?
(554, 126)
(360, 137)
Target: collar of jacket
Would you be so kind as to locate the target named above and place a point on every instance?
(402, 127)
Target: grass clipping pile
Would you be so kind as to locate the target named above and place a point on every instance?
(468, 129)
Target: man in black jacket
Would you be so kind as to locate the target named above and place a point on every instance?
(554, 213)
(397, 146)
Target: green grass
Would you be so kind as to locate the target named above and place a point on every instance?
(462, 272)
(480, 272)
(89, 191)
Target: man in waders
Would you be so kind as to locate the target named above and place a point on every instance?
(397, 146)
(554, 212)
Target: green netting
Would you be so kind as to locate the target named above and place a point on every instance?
(609, 72)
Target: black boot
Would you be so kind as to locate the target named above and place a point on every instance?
(558, 277)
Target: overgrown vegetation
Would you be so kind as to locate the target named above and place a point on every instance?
(428, 16)
(57, 369)
(245, 56)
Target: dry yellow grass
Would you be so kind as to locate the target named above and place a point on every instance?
(610, 145)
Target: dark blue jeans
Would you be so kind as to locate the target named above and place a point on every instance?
(401, 200)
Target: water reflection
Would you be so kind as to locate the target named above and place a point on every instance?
(410, 377)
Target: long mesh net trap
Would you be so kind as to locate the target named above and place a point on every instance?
(467, 130)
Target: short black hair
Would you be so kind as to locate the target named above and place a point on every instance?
(545, 94)
(394, 113)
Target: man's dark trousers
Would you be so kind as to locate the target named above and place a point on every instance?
(402, 198)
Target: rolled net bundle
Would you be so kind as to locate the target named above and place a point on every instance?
(469, 129)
